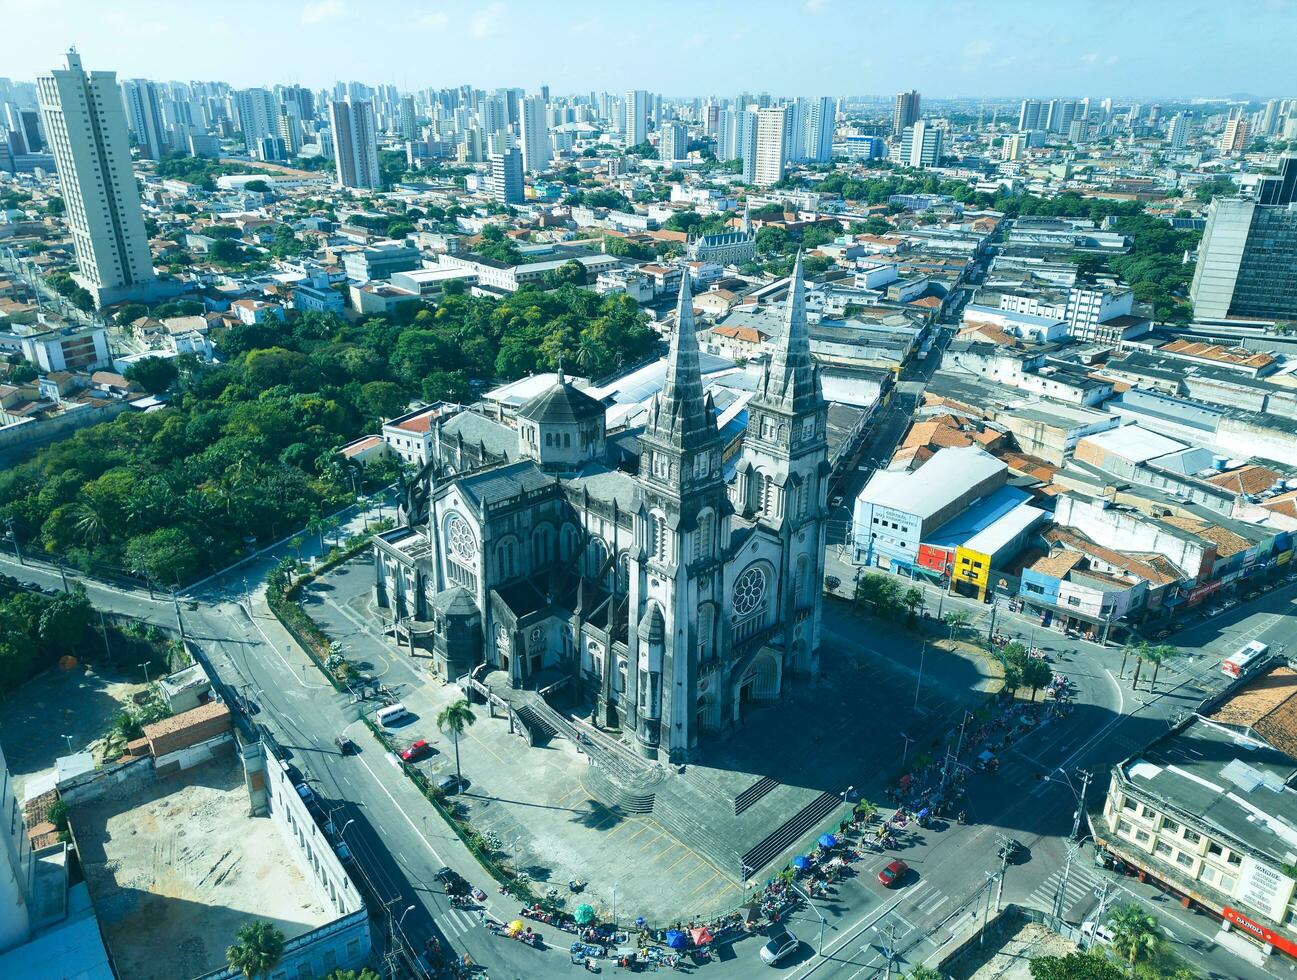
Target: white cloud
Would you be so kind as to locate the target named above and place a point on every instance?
(322, 10)
(486, 21)
(694, 41)
(977, 48)
(814, 6)
(437, 21)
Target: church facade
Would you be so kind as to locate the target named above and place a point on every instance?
(555, 553)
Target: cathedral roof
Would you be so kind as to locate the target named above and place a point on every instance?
(563, 403)
(789, 380)
(678, 414)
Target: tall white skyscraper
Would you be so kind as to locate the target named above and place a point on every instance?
(819, 130)
(258, 115)
(1177, 132)
(144, 113)
(921, 146)
(673, 145)
(635, 126)
(85, 122)
(772, 124)
(406, 118)
(355, 144)
(534, 134)
(506, 177)
(746, 143)
(1031, 115)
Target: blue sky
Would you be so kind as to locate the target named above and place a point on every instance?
(1139, 48)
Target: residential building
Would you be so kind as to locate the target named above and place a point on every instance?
(406, 121)
(534, 134)
(1177, 131)
(144, 114)
(771, 145)
(906, 112)
(1233, 139)
(380, 260)
(1061, 114)
(355, 144)
(673, 143)
(506, 177)
(820, 123)
(921, 146)
(1033, 114)
(635, 119)
(85, 122)
(258, 116)
(66, 348)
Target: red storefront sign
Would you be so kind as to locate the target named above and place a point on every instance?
(937, 559)
(1258, 931)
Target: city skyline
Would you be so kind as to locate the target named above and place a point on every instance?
(1002, 50)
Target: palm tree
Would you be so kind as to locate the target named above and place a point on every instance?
(1157, 656)
(922, 972)
(296, 544)
(454, 720)
(1135, 932)
(258, 948)
(1128, 650)
(92, 524)
(957, 620)
(316, 528)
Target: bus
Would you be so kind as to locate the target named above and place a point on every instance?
(1237, 665)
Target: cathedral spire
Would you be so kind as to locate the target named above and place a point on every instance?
(747, 218)
(792, 378)
(680, 412)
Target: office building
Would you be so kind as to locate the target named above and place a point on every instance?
(819, 130)
(1248, 253)
(144, 114)
(865, 147)
(534, 134)
(635, 121)
(258, 113)
(673, 145)
(771, 145)
(1031, 115)
(1061, 114)
(506, 177)
(25, 123)
(906, 112)
(921, 146)
(355, 144)
(204, 146)
(1177, 131)
(85, 121)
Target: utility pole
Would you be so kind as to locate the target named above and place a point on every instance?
(923, 650)
(906, 750)
(1005, 845)
(986, 909)
(1080, 804)
(1061, 898)
(13, 536)
(180, 623)
(64, 575)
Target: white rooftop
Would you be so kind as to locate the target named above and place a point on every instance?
(1136, 443)
(933, 485)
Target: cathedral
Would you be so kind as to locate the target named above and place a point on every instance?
(625, 564)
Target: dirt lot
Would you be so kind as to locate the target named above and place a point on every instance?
(1012, 959)
(176, 866)
(79, 702)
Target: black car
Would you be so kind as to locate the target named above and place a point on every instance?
(345, 745)
(452, 881)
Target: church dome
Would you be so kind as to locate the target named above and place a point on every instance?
(562, 404)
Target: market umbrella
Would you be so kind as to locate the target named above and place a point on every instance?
(516, 925)
(701, 936)
(828, 840)
(639, 921)
(677, 939)
(801, 862)
(583, 915)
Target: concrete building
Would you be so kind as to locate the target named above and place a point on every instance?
(1033, 114)
(673, 145)
(144, 113)
(533, 134)
(820, 123)
(921, 146)
(380, 260)
(1248, 253)
(771, 145)
(1177, 131)
(906, 112)
(1233, 139)
(635, 118)
(85, 122)
(258, 116)
(355, 144)
(506, 177)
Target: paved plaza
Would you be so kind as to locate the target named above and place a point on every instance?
(760, 794)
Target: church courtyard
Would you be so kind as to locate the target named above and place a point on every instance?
(758, 795)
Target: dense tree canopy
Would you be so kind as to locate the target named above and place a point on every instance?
(35, 630)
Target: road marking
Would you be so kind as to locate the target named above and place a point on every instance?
(677, 860)
(297, 678)
(864, 923)
(715, 875)
(417, 832)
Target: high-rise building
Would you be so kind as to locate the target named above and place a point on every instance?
(1177, 131)
(144, 113)
(355, 143)
(1270, 118)
(819, 130)
(673, 145)
(534, 134)
(1248, 253)
(406, 119)
(25, 123)
(258, 114)
(506, 177)
(921, 146)
(1233, 140)
(635, 124)
(745, 140)
(1013, 145)
(906, 112)
(85, 121)
(772, 124)
(1061, 114)
(1031, 115)
(799, 114)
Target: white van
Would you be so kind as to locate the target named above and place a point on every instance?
(392, 713)
(1097, 932)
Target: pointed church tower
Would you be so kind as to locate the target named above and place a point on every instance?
(747, 218)
(783, 476)
(675, 578)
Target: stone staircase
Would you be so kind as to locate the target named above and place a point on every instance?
(611, 793)
(541, 729)
(753, 793)
(790, 831)
(679, 805)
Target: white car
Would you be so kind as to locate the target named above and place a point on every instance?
(1097, 933)
(781, 944)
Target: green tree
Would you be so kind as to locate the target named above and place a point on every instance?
(365, 974)
(225, 251)
(922, 972)
(168, 555)
(1035, 674)
(454, 720)
(1157, 656)
(1136, 934)
(257, 950)
(154, 374)
(570, 273)
(1091, 965)
(958, 621)
(130, 313)
(382, 399)
(772, 240)
(258, 186)
(912, 600)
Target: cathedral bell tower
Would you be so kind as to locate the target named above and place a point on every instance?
(675, 567)
(783, 476)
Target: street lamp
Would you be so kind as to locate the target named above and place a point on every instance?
(403, 915)
(906, 750)
(614, 906)
(68, 739)
(145, 665)
(923, 651)
(345, 826)
(820, 949)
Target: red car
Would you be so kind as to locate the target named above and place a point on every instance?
(893, 873)
(416, 751)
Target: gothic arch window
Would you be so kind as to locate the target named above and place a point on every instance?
(706, 632)
(658, 544)
(750, 600)
(769, 495)
(802, 581)
(623, 573)
(568, 541)
(542, 546)
(506, 556)
(703, 535)
(460, 539)
(596, 556)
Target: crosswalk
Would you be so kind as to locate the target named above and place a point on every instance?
(1082, 884)
(456, 922)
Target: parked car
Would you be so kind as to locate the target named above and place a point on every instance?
(416, 750)
(345, 745)
(836, 502)
(449, 784)
(306, 793)
(780, 945)
(893, 874)
(1098, 932)
(452, 881)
